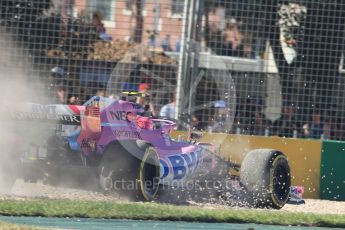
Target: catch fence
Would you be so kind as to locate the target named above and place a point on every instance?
(254, 67)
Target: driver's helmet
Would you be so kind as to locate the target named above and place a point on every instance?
(145, 123)
(131, 96)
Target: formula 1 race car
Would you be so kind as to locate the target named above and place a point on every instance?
(133, 154)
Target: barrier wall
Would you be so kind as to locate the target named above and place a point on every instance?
(332, 181)
(318, 166)
(304, 155)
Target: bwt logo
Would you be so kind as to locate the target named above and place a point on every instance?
(182, 165)
(44, 109)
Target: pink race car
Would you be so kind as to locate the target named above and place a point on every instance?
(136, 156)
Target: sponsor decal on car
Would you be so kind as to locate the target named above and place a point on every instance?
(181, 165)
(63, 119)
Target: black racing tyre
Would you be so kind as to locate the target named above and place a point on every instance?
(265, 174)
(149, 174)
(134, 177)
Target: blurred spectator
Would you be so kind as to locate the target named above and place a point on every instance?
(217, 123)
(233, 39)
(168, 111)
(315, 128)
(178, 45)
(253, 116)
(305, 128)
(214, 30)
(196, 124)
(240, 121)
(72, 100)
(248, 51)
(152, 41)
(152, 34)
(340, 129)
(332, 123)
(143, 99)
(97, 19)
(327, 128)
(286, 126)
(259, 124)
(60, 97)
(166, 43)
(83, 16)
(58, 75)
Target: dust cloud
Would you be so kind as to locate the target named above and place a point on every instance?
(16, 89)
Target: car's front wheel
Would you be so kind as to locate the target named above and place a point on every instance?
(265, 173)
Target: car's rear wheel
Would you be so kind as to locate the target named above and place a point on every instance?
(133, 176)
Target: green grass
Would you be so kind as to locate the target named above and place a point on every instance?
(154, 211)
(8, 226)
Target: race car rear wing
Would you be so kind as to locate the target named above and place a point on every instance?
(51, 113)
